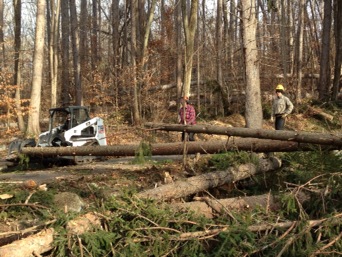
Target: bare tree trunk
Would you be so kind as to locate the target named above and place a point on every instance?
(147, 33)
(136, 111)
(219, 57)
(253, 112)
(190, 25)
(116, 47)
(65, 43)
(75, 52)
(2, 40)
(300, 45)
(179, 74)
(291, 32)
(53, 47)
(94, 40)
(324, 75)
(17, 57)
(38, 62)
(337, 83)
(84, 39)
(283, 42)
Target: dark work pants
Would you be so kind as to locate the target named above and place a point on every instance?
(279, 122)
(188, 136)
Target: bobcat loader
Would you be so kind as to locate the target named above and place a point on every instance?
(68, 126)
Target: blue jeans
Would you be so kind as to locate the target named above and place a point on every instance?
(189, 136)
(279, 122)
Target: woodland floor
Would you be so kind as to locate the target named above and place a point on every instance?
(116, 174)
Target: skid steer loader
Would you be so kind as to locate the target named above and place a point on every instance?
(68, 126)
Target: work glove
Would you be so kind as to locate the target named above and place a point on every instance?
(284, 115)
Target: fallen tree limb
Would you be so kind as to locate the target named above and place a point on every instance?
(39, 243)
(284, 135)
(209, 180)
(27, 247)
(208, 207)
(204, 147)
(320, 113)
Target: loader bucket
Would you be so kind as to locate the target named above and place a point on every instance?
(15, 146)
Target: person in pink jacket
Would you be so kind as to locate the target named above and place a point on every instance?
(187, 118)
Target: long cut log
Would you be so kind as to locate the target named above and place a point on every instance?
(203, 182)
(204, 147)
(284, 135)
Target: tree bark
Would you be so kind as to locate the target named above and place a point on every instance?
(324, 75)
(286, 135)
(190, 25)
(253, 112)
(53, 48)
(65, 43)
(75, 53)
(337, 82)
(203, 182)
(135, 109)
(17, 69)
(220, 57)
(2, 40)
(33, 127)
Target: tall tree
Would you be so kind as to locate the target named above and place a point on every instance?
(190, 25)
(116, 46)
(178, 32)
(65, 46)
(136, 111)
(337, 83)
(300, 50)
(147, 32)
(83, 36)
(75, 41)
(2, 41)
(283, 41)
(94, 37)
(38, 62)
(220, 56)
(253, 112)
(17, 70)
(53, 49)
(324, 74)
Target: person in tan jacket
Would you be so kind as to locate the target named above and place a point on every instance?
(282, 106)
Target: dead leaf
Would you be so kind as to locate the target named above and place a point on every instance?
(5, 196)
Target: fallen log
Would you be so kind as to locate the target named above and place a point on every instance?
(204, 147)
(318, 112)
(33, 245)
(208, 207)
(203, 182)
(37, 244)
(284, 135)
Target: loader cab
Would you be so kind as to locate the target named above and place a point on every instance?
(61, 120)
(68, 117)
